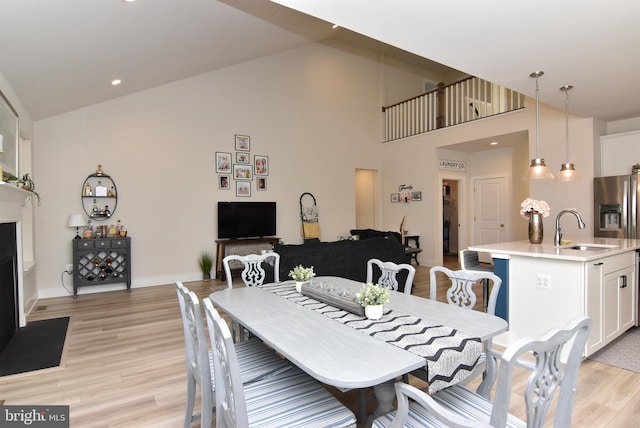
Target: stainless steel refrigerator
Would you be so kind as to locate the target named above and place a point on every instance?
(616, 206)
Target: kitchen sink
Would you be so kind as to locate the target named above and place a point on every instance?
(590, 247)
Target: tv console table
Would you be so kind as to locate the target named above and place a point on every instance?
(222, 244)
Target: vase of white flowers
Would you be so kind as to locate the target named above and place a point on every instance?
(373, 297)
(534, 211)
(300, 275)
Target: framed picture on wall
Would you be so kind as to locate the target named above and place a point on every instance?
(243, 188)
(223, 182)
(416, 196)
(395, 197)
(243, 157)
(261, 183)
(243, 142)
(223, 162)
(242, 172)
(261, 164)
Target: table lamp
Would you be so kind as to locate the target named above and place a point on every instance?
(76, 220)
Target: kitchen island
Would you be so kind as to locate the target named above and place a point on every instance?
(545, 286)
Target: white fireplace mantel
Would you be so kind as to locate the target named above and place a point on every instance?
(12, 201)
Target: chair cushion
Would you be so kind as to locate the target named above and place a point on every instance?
(256, 361)
(307, 403)
(457, 399)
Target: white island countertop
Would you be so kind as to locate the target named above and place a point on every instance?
(597, 248)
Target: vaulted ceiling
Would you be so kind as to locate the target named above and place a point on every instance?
(62, 55)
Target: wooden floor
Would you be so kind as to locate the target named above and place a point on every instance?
(124, 365)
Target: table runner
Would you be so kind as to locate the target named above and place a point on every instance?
(449, 353)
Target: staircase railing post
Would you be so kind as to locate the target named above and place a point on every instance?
(440, 115)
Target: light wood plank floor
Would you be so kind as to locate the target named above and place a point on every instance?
(124, 365)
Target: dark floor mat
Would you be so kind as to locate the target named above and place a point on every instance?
(36, 346)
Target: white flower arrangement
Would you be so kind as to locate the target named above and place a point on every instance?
(301, 273)
(372, 294)
(529, 206)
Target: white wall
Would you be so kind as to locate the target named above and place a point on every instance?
(314, 111)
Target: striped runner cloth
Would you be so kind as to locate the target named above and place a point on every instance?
(450, 354)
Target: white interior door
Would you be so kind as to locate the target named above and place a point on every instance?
(490, 211)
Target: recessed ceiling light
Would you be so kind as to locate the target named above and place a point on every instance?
(493, 143)
(334, 26)
(129, 1)
(116, 82)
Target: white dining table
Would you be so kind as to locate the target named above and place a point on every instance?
(335, 353)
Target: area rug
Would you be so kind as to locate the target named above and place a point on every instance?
(36, 346)
(624, 352)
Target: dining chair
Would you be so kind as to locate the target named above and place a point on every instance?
(469, 260)
(388, 274)
(290, 398)
(253, 274)
(256, 360)
(457, 406)
(460, 293)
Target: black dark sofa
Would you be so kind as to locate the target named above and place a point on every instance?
(372, 233)
(347, 259)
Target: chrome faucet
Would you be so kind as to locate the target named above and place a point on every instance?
(557, 238)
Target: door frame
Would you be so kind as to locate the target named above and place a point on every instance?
(462, 217)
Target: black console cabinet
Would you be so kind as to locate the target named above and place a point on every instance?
(101, 261)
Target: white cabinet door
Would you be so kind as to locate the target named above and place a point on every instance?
(627, 298)
(619, 302)
(595, 305)
(611, 296)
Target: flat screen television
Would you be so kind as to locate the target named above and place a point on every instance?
(238, 220)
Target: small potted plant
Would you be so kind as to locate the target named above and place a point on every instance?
(205, 260)
(300, 275)
(26, 183)
(373, 297)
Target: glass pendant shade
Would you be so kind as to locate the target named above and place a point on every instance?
(537, 169)
(568, 170)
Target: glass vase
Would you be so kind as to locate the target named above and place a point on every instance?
(536, 230)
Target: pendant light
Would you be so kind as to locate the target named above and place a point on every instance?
(538, 169)
(568, 170)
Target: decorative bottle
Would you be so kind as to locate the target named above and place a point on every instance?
(87, 190)
(118, 227)
(94, 210)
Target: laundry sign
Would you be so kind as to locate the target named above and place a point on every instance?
(453, 165)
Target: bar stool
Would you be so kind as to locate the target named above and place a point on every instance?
(470, 261)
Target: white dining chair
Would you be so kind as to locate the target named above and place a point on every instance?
(457, 406)
(389, 274)
(460, 293)
(253, 274)
(256, 360)
(287, 399)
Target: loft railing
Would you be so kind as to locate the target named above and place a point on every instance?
(463, 101)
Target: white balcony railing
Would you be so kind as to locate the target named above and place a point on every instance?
(463, 101)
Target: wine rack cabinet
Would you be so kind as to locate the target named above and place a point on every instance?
(101, 261)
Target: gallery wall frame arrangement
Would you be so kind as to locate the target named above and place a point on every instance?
(237, 166)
